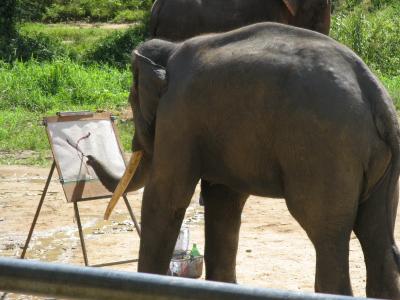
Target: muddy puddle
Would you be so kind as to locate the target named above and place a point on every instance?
(58, 244)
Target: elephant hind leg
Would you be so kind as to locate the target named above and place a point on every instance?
(223, 208)
(327, 215)
(374, 229)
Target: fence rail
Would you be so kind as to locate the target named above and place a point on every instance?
(57, 280)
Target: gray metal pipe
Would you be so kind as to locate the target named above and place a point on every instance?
(57, 280)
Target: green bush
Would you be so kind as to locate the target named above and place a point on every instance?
(31, 10)
(375, 36)
(60, 13)
(116, 49)
(7, 20)
(129, 16)
(38, 46)
(95, 10)
(349, 5)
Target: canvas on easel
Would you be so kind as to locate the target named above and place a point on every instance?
(73, 136)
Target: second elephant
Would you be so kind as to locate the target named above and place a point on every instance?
(177, 20)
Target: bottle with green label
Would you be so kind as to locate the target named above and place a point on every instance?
(194, 252)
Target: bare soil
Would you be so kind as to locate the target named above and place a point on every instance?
(274, 252)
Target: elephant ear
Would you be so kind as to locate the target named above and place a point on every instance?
(151, 82)
(292, 5)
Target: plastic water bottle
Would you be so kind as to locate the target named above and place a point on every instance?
(182, 243)
(194, 252)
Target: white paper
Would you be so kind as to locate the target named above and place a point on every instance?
(101, 143)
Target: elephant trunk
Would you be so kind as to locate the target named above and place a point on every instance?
(106, 177)
(110, 180)
(114, 184)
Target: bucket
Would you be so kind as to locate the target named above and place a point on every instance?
(186, 266)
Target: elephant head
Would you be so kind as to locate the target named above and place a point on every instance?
(310, 14)
(149, 66)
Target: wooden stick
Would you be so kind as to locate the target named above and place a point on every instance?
(123, 183)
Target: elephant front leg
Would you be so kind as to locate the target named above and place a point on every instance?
(163, 209)
(223, 208)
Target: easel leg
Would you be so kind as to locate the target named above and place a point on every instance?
(78, 220)
(132, 215)
(28, 239)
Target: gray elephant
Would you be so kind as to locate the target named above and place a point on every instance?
(177, 20)
(269, 110)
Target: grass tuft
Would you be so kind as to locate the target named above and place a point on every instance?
(43, 87)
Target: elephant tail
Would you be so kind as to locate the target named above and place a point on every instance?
(154, 17)
(386, 122)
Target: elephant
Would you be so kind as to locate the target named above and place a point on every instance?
(177, 20)
(275, 111)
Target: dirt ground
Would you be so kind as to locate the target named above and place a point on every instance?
(274, 252)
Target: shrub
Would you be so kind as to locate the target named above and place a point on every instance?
(116, 49)
(31, 10)
(95, 10)
(374, 36)
(38, 46)
(7, 20)
(129, 16)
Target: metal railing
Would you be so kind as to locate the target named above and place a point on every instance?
(57, 280)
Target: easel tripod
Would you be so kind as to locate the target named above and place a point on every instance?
(79, 224)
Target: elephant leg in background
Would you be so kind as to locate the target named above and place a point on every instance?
(327, 214)
(373, 228)
(223, 209)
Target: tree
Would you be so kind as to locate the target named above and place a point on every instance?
(7, 19)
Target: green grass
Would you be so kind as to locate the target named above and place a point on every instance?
(76, 38)
(31, 90)
(22, 131)
(62, 84)
(392, 84)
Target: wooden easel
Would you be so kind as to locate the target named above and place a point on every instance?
(79, 191)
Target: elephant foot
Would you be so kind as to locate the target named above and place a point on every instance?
(383, 277)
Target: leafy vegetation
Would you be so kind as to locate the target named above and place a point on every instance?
(83, 10)
(31, 10)
(116, 49)
(7, 19)
(374, 34)
(31, 90)
(76, 39)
